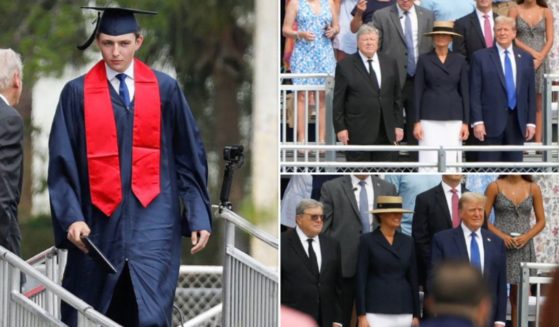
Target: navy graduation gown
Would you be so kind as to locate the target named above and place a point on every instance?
(148, 239)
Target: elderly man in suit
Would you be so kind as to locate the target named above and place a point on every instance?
(348, 201)
(477, 31)
(484, 250)
(11, 148)
(459, 297)
(310, 267)
(367, 108)
(502, 94)
(402, 28)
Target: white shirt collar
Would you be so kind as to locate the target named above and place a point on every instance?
(481, 13)
(365, 58)
(467, 232)
(5, 100)
(501, 49)
(401, 12)
(447, 188)
(355, 181)
(112, 73)
(303, 237)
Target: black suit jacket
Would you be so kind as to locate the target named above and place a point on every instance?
(386, 278)
(472, 36)
(441, 90)
(431, 215)
(11, 168)
(451, 245)
(359, 105)
(342, 220)
(301, 288)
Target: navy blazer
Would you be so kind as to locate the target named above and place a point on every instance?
(304, 290)
(488, 93)
(472, 35)
(451, 245)
(441, 89)
(386, 278)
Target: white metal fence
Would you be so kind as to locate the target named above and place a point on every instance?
(306, 156)
(250, 294)
(41, 305)
(529, 305)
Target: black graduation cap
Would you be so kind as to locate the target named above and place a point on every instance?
(114, 21)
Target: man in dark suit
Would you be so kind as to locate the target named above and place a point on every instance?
(502, 94)
(367, 108)
(348, 201)
(11, 149)
(477, 31)
(402, 29)
(459, 297)
(435, 210)
(483, 249)
(310, 267)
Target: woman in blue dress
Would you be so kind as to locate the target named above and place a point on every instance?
(317, 25)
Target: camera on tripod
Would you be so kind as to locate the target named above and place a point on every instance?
(233, 154)
(234, 158)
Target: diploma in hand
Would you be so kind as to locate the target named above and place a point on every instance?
(97, 256)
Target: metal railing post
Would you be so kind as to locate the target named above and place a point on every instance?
(330, 133)
(441, 157)
(523, 294)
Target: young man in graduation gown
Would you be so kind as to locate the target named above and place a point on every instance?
(128, 169)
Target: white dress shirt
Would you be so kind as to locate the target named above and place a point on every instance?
(370, 194)
(481, 20)
(375, 64)
(511, 57)
(5, 100)
(468, 237)
(111, 76)
(315, 245)
(414, 27)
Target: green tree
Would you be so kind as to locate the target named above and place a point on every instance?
(45, 34)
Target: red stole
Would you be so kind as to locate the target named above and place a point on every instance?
(102, 143)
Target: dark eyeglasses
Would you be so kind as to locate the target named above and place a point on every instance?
(315, 217)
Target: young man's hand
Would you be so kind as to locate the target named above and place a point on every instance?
(199, 240)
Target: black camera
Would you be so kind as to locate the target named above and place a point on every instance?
(233, 153)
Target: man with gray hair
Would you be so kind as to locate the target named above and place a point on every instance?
(11, 148)
(367, 106)
(459, 297)
(311, 267)
(485, 251)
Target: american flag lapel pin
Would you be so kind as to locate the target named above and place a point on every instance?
(488, 239)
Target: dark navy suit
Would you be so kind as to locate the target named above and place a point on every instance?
(441, 89)
(489, 104)
(472, 35)
(447, 321)
(386, 278)
(450, 245)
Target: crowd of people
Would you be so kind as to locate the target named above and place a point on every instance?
(368, 264)
(429, 72)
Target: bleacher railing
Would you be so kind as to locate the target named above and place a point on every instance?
(328, 158)
(18, 309)
(250, 293)
(525, 315)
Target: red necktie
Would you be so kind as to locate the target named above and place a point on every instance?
(455, 216)
(487, 33)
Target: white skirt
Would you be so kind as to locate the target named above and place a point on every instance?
(440, 133)
(387, 320)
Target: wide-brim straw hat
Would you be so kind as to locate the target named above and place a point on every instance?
(389, 204)
(443, 28)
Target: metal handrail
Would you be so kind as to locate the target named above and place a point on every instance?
(524, 289)
(203, 318)
(246, 226)
(85, 309)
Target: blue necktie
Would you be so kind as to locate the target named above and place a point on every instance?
(123, 90)
(509, 79)
(409, 44)
(364, 207)
(474, 253)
